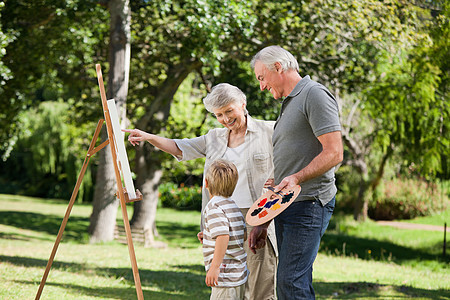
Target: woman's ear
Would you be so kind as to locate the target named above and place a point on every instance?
(206, 183)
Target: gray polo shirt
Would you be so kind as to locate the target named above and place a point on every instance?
(309, 111)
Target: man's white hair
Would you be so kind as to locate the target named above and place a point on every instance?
(273, 54)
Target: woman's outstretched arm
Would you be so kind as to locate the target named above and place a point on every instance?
(167, 145)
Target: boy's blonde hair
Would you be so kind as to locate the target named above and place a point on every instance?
(222, 177)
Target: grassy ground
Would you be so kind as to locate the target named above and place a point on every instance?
(356, 261)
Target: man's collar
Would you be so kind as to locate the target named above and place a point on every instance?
(299, 87)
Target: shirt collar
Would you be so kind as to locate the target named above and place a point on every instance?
(251, 126)
(299, 87)
(218, 198)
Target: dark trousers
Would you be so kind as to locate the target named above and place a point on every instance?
(299, 229)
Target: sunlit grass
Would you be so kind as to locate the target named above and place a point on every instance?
(356, 260)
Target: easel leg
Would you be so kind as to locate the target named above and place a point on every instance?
(69, 209)
(126, 223)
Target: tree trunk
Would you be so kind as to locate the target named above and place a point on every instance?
(104, 210)
(148, 166)
(105, 203)
(361, 209)
(361, 206)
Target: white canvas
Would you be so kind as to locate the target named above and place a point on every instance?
(121, 151)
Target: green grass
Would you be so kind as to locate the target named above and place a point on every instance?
(438, 220)
(356, 260)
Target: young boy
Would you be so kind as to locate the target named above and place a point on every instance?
(223, 234)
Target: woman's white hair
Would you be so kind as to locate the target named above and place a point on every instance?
(273, 54)
(222, 95)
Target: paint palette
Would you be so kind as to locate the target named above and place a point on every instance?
(270, 205)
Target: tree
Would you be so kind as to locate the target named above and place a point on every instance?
(49, 49)
(349, 46)
(407, 116)
(105, 203)
(173, 40)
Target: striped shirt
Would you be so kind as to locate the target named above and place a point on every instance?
(222, 217)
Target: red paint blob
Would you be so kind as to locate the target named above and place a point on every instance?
(262, 214)
(262, 202)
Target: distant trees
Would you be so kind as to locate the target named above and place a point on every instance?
(387, 62)
(402, 114)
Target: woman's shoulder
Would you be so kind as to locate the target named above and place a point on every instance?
(217, 132)
(216, 135)
(266, 125)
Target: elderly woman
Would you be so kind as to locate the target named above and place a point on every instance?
(248, 144)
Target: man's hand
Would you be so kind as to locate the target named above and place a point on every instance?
(270, 182)
(257, 238)
(288, 182)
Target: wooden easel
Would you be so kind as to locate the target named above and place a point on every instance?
(121, 192)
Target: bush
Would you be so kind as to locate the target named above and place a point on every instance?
(347, 183)
(180, 197)
(48, 154)
(407, 199)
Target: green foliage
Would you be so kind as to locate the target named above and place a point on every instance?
(188, 119)
(5, 39)
(240, 74)
(48, 154)
(406, 113)
(175, 36)
(347, 182)
(402, 198)
(381, 48)
(180, 197)
(52, 49)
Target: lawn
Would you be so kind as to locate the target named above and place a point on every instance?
(356, 260)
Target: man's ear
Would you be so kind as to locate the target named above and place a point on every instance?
(206, 183)
(278, 67)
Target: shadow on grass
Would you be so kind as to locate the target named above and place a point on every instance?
(372, 249)
(35, 262)
(76, 228)
(186, 283)
(185, 236)
(195, 268)
(12, 236)
(179, 235)
(176, 234)
(121, 293)
(369, 290)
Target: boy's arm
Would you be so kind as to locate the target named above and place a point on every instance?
(220, 248)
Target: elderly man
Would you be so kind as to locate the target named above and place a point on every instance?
(307, 146)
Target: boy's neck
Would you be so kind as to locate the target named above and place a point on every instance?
(217, 196)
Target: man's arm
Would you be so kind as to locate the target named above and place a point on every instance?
(332, 154)
(220, 248)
